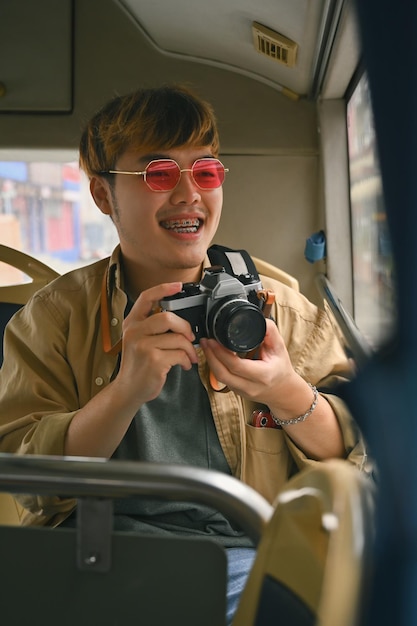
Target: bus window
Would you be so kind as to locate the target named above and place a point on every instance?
(373, 288)
(46, 210)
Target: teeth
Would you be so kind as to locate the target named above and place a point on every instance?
(182, 226)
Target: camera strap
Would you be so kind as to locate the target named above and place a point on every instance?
(238, 263)
(235, 262)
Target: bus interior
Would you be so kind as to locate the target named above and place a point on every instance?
(321, 185)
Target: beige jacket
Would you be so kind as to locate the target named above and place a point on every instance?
(55, 363)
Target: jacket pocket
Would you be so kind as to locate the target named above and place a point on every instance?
(267, 460)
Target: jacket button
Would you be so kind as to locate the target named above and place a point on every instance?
(99, 381)
(114, 321)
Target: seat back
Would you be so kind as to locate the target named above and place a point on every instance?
(12, 298)
(39, 273)
(270, 270)
(312, 561)
(150, 580)
(92, 574)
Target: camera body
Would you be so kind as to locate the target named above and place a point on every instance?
(222, 307)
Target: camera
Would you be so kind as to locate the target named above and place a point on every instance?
(222, 307)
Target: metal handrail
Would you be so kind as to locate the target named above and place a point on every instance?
(359, 347)
(85, 477)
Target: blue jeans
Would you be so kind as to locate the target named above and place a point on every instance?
(239, 564)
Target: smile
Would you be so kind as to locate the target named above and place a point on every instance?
(189, 225)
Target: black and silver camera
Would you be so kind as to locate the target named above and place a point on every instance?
(222, 307)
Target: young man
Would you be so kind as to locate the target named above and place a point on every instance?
(96, 370)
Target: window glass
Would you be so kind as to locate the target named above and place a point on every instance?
(373, 288)
(46, 210)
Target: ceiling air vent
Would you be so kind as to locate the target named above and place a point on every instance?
(274, 45)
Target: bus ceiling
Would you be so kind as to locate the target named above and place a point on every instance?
(306, 49)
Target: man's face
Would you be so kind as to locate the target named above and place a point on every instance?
(169, 230)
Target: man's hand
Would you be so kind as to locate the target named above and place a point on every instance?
(261, 379)
(153, 342)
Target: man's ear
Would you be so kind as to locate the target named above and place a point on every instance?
(100, 191)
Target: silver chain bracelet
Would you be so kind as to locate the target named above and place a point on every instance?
(300, 418)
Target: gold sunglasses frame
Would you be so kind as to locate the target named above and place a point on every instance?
(179, 169)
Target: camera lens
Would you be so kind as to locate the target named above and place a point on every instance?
(237, 324)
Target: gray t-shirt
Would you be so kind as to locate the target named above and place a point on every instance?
(177, 427)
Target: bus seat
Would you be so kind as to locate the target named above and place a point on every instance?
(39, 273)
(12, 298)
(313, 559)
(93, 574)
(270, 270)
(152, 580)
